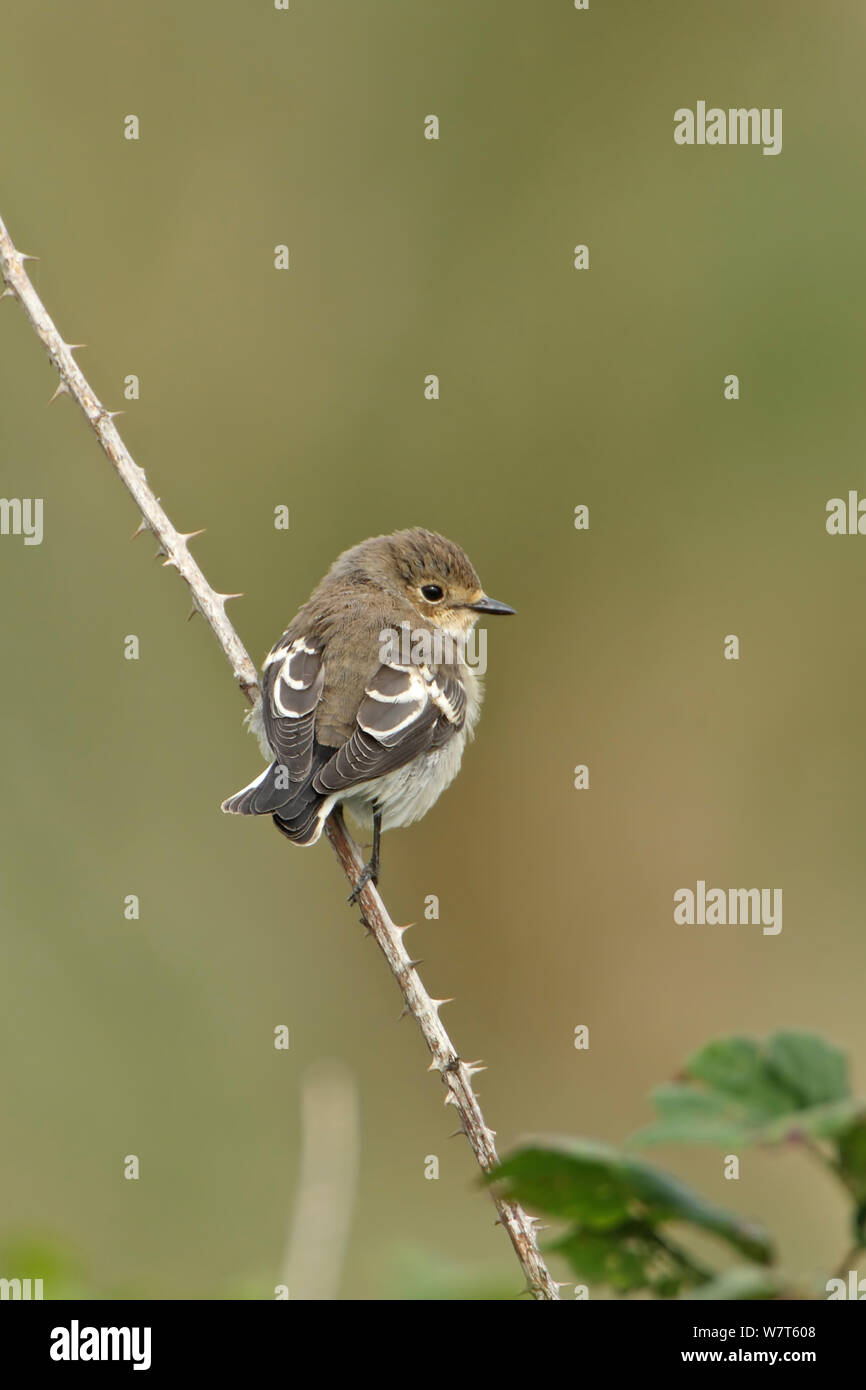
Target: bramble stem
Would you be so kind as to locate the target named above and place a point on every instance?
(456, 1073)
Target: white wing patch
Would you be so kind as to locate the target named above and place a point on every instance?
(298, 683)
(294, 677)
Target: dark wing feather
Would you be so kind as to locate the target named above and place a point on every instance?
(292, 686)
(405, 711)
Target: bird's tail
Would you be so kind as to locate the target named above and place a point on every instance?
(265, 795)
(299, 811)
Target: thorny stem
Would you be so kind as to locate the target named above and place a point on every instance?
(456, 1074)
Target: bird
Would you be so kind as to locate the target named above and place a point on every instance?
(367, 700)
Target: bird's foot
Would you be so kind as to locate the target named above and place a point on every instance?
(369, 874)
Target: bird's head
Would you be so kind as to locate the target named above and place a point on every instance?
(432, 574)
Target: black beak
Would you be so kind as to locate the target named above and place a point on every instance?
(490, 605)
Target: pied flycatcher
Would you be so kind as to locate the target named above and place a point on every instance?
(351, 712)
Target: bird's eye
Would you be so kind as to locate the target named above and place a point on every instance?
(432, 592)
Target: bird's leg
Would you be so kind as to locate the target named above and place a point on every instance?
(377, 839)
(370, 871)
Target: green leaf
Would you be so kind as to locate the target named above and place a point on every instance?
(737, 1068)
(738, 1091)
(818, 1122)
(814, 1069)
(574, 1179)
(628, 1260)
(689, 1116)
(602, 1189)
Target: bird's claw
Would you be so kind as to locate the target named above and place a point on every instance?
(368, 875)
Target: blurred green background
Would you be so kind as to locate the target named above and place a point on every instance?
(305, 388)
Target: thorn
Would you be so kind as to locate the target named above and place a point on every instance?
(224, 598)
(403, 1012)
(143, 525)
(413, 964)
(62, 390)
(23, 256)
(472, 1068)
(70, 347)
(450, 1099)
(112, 414)
(402, 929)
(8, 293)
(191, 535)
(158, 553)
(454, 1135)
(191, 614)
(438, 1003)
(169, 560)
